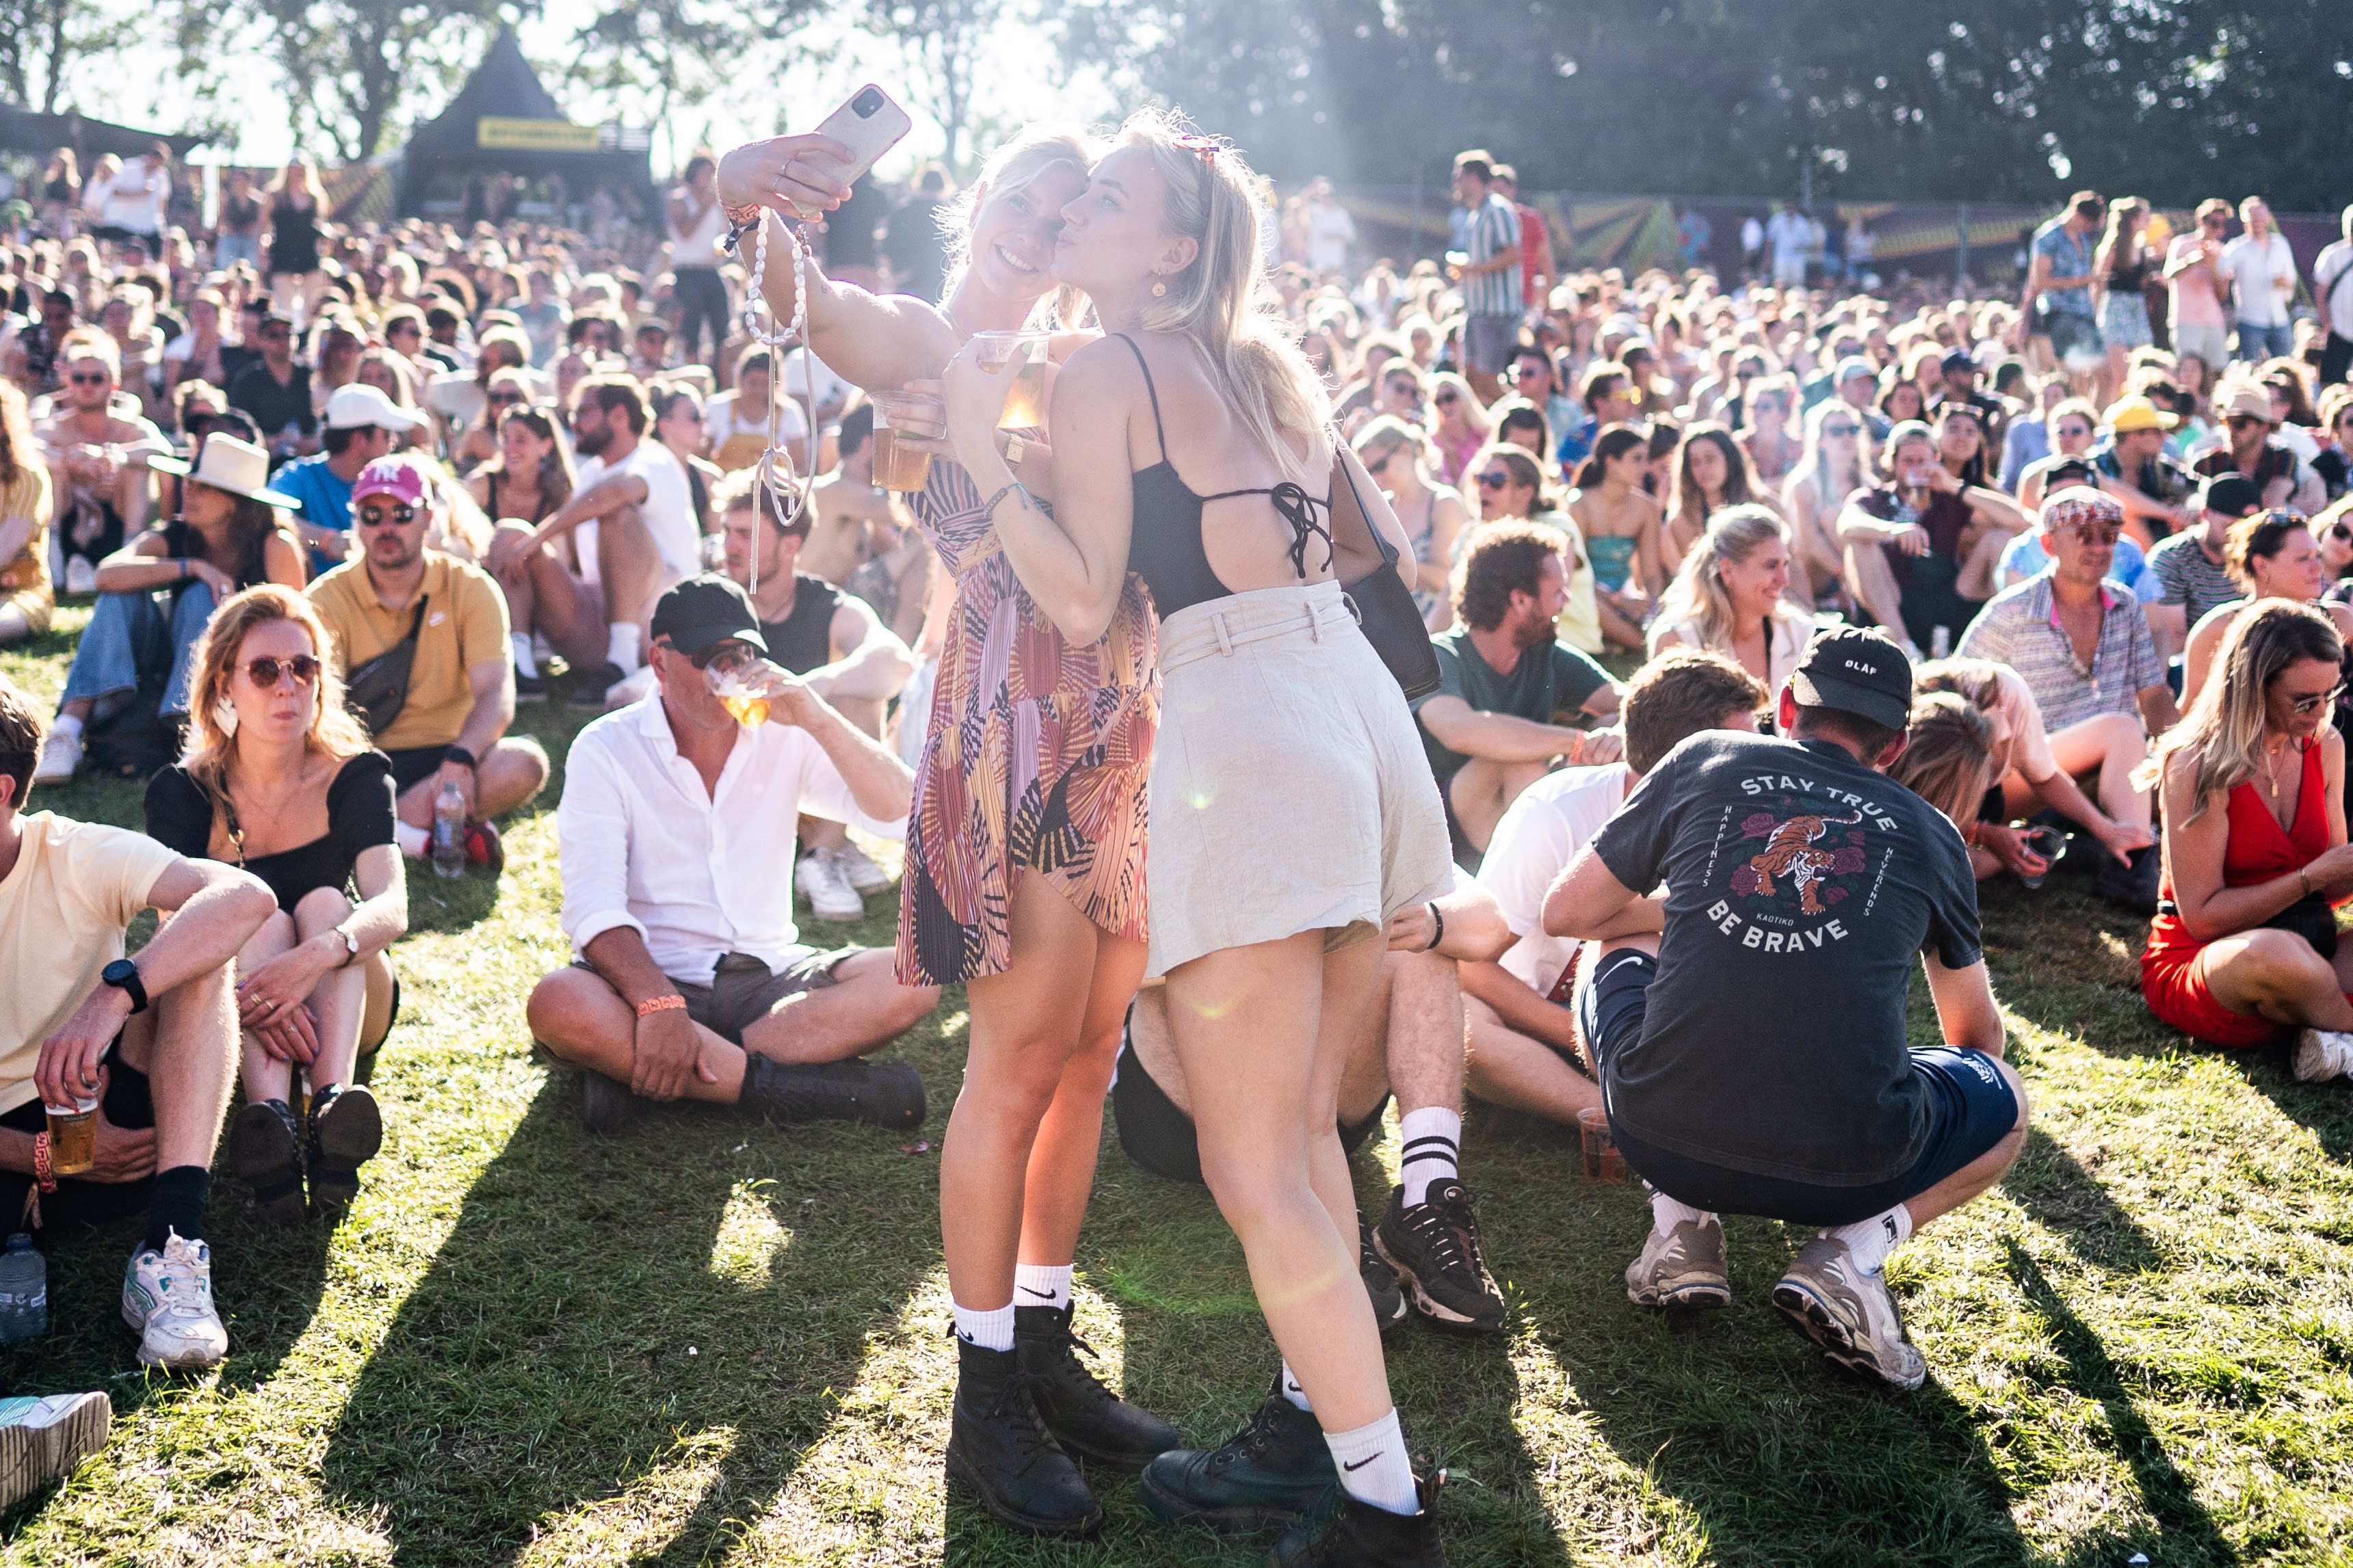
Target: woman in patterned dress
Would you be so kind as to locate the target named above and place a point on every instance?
(1025, 848)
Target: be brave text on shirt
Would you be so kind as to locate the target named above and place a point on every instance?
(1795, 860)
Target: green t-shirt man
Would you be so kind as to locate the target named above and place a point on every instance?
(1550, 678)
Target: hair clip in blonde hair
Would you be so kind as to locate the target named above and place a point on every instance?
(1201, 147)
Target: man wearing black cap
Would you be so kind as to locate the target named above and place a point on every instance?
(1752, 1052)
(676, 835)
(2191, 565)
(1961, 373)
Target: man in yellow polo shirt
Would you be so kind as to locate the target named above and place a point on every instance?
(451, 727)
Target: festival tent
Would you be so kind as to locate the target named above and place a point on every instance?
(504, 123)
(26, 131)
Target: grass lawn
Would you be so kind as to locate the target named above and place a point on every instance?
(713, 1341)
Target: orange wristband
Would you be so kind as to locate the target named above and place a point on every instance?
(654, 1004)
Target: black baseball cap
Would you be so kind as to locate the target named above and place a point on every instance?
(1958, 359)
(704, 611)
(1856, 672)
(2232, 495)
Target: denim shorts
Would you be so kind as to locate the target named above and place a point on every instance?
(1970, 1110)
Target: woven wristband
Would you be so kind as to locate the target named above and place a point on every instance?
(44, 1172)
(654, 1004)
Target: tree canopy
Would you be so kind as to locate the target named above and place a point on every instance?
(1973, 99)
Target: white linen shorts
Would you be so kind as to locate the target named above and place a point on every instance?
(1290, 792)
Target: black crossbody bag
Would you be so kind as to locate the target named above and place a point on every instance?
(1382, 604)
(377, 689)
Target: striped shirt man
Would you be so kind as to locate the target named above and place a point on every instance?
(1491, 228)
(2020, 628)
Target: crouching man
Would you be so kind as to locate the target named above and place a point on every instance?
(150, 1042)
(676, 838)
(1752, 1052)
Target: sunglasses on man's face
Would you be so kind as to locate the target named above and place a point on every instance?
(265, 672)
(2245, 422)
(725, 656)
(2094, 533)
(2312, 699)
(399, 516)
(89, 378)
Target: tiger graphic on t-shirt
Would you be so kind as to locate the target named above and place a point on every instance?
(1789, 852)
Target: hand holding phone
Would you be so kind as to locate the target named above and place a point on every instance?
(805, 176)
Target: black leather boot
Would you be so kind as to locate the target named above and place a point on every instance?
(1086, 1418)
(1264, 1476)
(998, 1446)
(1355, 1534)
(888, 1094)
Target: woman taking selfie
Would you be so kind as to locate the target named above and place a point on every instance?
(2245, 944)
(1025, 877)
(1192, 445)
(280, 779)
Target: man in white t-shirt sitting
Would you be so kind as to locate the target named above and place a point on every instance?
(676, 837)
(148, 1044)
(1523, 1052)
(631, 529)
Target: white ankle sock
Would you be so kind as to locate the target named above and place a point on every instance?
(991, 1329)
(1870, 1240)
(1432, 1138)
(621, 644)
(1666, 1214)
(1042, 1285)
(1374, 1465)
(525, 665)
(66, 724)
(1291, 1389)
(413, 840)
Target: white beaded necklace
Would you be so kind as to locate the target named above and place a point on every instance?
(776, 478)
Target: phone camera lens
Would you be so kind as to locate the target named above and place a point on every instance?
(867, 102)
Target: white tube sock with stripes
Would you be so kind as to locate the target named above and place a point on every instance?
(1432, 1136)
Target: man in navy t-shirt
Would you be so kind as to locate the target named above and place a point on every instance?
(1752, 1054)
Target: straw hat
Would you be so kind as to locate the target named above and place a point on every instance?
(240, 467)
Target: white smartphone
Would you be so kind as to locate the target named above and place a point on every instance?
(869, 124)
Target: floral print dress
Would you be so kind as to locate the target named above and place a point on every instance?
(1038, 757)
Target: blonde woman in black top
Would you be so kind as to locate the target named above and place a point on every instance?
(278, 779)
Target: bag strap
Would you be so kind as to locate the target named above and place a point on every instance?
(416, 623)
(1364, 519)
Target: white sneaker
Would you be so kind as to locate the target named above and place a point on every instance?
(167, 1299)
(859, 869)
(830, 896)
(1850, 1312)
(42, 1440)
(635, 687)
(1680, 1271)
(81, 577)
(60, 755)
(2322, 1056)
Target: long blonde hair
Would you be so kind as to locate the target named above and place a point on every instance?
(1697, 593)
(1947, 760)
(2223, 731)
(210, 748)
(1222, 301)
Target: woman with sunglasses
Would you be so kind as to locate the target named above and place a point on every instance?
(1831, 468)
(1619, 526)
(1397, 455)
(1511, 487)
(2249, 785)
(502, 389)
(2074, 425)
(2272, 556)
(1462, 426)
(232, 533)
(278, 779)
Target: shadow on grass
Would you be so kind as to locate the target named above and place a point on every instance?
(2326, 1110)
(2054, 1188)
(606, 1309)
(2185, 1533)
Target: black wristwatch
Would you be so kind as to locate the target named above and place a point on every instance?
(123, 975)
(459, 754)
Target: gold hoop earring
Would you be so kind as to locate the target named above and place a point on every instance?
(1159, 290)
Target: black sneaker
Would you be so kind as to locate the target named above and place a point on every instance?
(589, 686)
(1355, 1534)
(1086, 1418)
(1265, 1476)
(1434, 1248)
(606, 1106)
(999, 1448)
(1380, 1281)
(529, 688)
(346, 1130)
(264, 1150)
(888, 1094)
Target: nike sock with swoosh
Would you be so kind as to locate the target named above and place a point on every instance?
(1042, 1285)
(1373, 1464)
(991, 1329)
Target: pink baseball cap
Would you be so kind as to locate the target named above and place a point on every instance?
(394, 477)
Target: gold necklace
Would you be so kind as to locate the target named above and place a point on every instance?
(2271, 770)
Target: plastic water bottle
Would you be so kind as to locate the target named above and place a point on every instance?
(449, 832)
(24, 1291)
(1940, 642)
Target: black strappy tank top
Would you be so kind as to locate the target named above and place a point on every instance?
(1164, 545)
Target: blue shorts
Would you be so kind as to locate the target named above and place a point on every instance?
(1970, 1110)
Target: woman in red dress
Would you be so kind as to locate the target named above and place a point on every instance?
(2245, 942)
